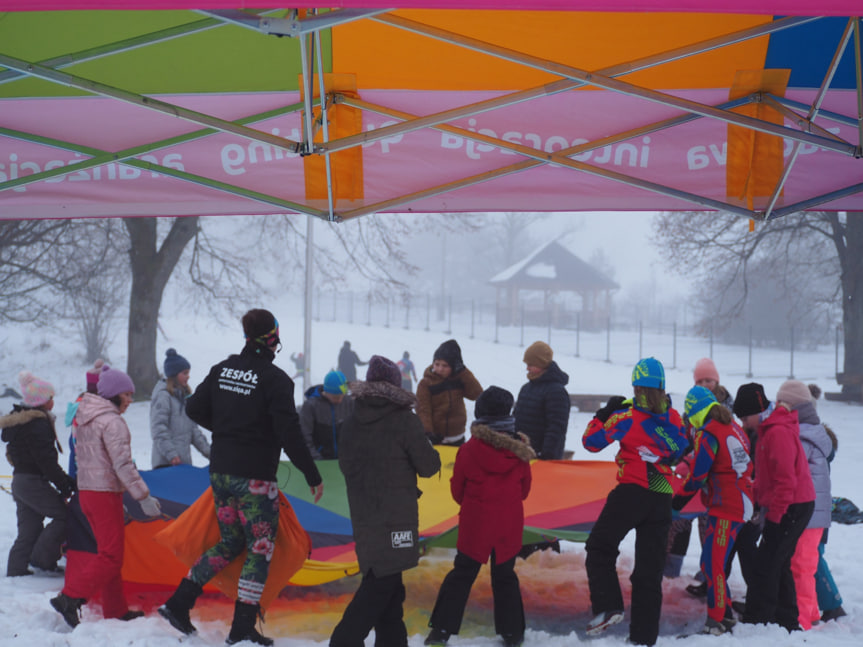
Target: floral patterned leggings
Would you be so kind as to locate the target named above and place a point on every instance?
(248, 514)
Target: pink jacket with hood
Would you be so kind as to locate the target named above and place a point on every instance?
(104, 450)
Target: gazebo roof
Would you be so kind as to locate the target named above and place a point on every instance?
(553, 267)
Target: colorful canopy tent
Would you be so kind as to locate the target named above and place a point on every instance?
(565, 501)
(439, 106)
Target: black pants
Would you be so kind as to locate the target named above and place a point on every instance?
(37, 544)
(771, 596)
(630, 506)
(455, 591)
(746, 549)
(377, 605)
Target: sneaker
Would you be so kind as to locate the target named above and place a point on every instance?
(69, 608)
(832, 614)
(131, 615)
(697, 590)
(603, 621)
(437, 637)
(713, 628)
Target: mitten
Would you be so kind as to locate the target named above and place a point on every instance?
(150, 506)
(614, 403)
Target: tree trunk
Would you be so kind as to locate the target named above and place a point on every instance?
(151, 269)
(852, 301)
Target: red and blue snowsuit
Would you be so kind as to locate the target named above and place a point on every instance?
(650, 444)
(722, 470)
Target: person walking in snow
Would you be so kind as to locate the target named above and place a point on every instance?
(39, 485)
(441, 393)
(543, 405)
(348, 362)
(652, 439)
(722, 471)
(105, 471)
(383, 450)
(786, 494)
(409, 373)
(248, 405)
(174, 434)
(491, 478)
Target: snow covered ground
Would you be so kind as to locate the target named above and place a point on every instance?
(554, 585)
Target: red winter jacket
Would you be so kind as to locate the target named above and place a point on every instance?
(491, 478)
(781, 470)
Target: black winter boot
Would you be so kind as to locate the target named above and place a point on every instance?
(243, 627)
(69, 608)
(176, 609)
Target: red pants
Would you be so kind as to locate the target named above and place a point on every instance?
(804, 563)
(101, 575)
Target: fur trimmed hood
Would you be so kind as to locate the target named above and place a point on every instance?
(518, 445)
(20, 416)
(385, 390)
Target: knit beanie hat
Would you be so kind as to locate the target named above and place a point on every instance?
(793, 393)
(750, 399)
(175, 363)
(36, 392)
(493, 402)
(383, 370)
(450, 352)
(113, 382)
(649, 372)
(336, 383)
(93, 375)
(699, 402)
(538, 354)
(705, 369)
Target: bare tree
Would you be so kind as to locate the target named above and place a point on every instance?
(806, 248)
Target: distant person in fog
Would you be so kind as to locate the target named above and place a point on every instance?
(348, 362)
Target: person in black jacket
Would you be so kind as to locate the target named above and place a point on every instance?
(323, 413)
(248, 404)
(32, 452)
(383, 449)
(542, 409)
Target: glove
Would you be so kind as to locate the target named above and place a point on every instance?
(614, 403)
(150, 506)
(679, 501)
(646, 455)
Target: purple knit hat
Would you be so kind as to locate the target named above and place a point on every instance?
(383, 370)
(113, 382)
(36, 392)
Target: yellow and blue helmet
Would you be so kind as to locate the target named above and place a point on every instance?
(649, 372)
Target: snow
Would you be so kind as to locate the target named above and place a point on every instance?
(554, 585)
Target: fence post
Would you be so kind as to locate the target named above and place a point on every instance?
(749, 373)
(608, 341)
(369, 310)
(674, 345)
(387, 324)
(837, 350)
(335, 303)
(472, 315)
(496, 321)
(577, 334)
(549, 328)
(428, 311)
(791, 374)
(640, 340)
(449, 317)
(522, 326)
(711, 342)
(351, 307)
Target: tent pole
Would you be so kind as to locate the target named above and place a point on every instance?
(325, 128)
(859, 70)
(307, 305)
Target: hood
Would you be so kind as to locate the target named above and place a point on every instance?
(92, 406)
(553, 374)
(20, 416)
(519, 446)
(374, 400)
(314, 391)
(807, 413)
(816, 435)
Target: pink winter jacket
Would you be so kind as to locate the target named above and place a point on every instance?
(104, 451)
(781, 469)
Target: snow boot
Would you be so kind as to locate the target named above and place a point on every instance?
(69, 608)
(438, 637)
(243, 626)
(832, 614)
(603, 621)
(176, 609)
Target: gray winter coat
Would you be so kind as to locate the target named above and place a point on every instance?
(383, 450)
(172, 431)
(818, 446)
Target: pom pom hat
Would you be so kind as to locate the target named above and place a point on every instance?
(494, 402)
(36, 392)
(699, 402)
(335, 383)
(93, 375)
(175, 363)
(650, 373)
(113, 382)
(383, 370)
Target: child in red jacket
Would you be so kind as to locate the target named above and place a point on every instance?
(490, 480)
